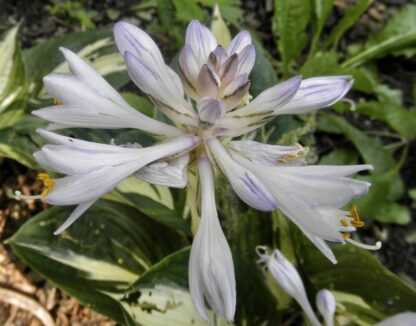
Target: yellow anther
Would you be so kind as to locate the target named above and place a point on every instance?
(357, 224)
(49, 183)
(45, 192)
(282, 160)
(57, 102)
(43, 176)
(356, 217)
(345, 236)
(344, 222)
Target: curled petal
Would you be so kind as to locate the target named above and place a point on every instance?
(151, 83)
(239, 42)
(211, 269)
(201, 40)
(318, 92)
(132, 39)
(286, 275)
(168, 172)
(92, 103)
(210, 110)
(271, 155)
(326, 305)
(189, 66)
(235, 92)
(247, 186)
(246, 59)
(208, 82)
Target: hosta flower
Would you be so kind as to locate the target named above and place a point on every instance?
(326, 304)
(286, 275)
(208, 103)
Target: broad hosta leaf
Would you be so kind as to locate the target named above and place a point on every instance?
(347, 21)
(357, 273)
(20, 140)
(161, 297)
(12, 69)
(291, 18)
(263, 75)
(397, 38)
(100, 255)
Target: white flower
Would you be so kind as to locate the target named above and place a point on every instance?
(326, 304)
(207, 102)
(287, 276)
(402, 319)
(211, 270)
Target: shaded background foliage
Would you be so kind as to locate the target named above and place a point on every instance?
(127, 256)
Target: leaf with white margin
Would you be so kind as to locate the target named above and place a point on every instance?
(108, 248)
(160, 297)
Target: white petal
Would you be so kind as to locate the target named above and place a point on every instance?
(78, 95)
(260, 110)
(86, 187)
(85, 73)
(247, 186)
(169, 172)
(207, 82)
(74, 216)
(286, 275)
(318, 92)
(239, 42)
(326, 305)
(189, 65)
(210, 110)
(132, 39)
(201, 40)
(78, 156)
(403, 319)
(211, 269)
(246, 59)
(152, 83)
(270, 155)
(272, 98)
(236, 91)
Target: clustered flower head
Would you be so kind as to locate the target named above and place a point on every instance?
(208, 103)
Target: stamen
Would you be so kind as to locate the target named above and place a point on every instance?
(344, 222)
(346, 236)
(57, 102)
(356, 217)
(43, 176)
(301, 153)
(19, 196)
(377, 246)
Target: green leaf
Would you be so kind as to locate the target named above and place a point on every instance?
(389, 109)
(12, 70)
(185, 11)
(321, 10)
(160, 296)
(291, 18)
(359, 273)
(347, 21)
(397, 38)
(340, 156)
(20, 140)
(263, 75)
(370, 149)
(99, 256)
(378, 204)
(140, 103)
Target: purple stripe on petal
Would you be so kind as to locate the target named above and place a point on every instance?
(264, 201)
